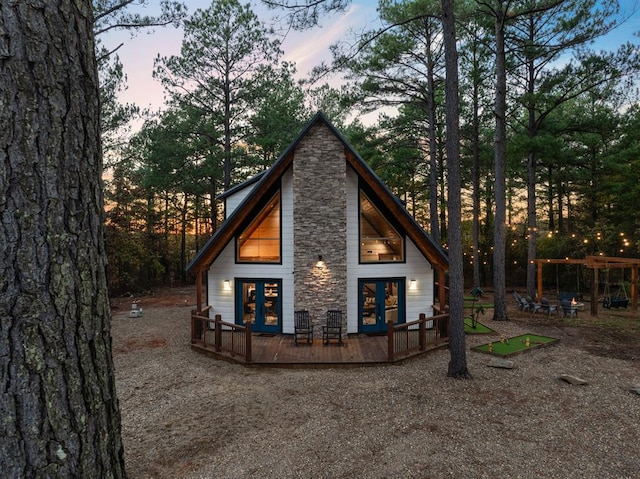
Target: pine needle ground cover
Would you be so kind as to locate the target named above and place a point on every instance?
(515, 345)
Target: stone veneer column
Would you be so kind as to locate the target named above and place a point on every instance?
(320, 224)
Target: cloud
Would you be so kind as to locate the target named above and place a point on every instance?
(308, 49)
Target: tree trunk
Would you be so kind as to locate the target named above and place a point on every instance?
(499, 247)
(532, 214)
(59, 409)
(433, 145)
(475, 181)
(458, 363)
(550, 198)
(532, 224)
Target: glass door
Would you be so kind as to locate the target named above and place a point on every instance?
(259, 301)
(380, 300)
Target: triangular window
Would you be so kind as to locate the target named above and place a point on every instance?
(260, 241)
(380, 242)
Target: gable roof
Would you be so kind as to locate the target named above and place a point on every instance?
(266, 180)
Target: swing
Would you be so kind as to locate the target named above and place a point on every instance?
(569, 295)
(619, 301)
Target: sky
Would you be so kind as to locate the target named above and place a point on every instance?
(305, 49)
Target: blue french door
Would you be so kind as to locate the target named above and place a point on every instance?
(380, 300)
(259, 300)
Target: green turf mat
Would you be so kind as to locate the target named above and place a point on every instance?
(515, 345)
(479, 329)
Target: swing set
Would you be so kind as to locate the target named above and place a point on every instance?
(595, 263)
(620, 300)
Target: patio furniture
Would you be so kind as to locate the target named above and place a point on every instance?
(568, 308)
(517, 298)
(333, 328)
(533, 306)
(302, 327)
(545, 306)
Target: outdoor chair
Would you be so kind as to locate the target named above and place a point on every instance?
(548, 308)
(523, 304)
(333, 328)
(533, 306)
(518, 299)
(569, 309)
(303, 328)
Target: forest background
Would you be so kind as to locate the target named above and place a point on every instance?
(233, 100)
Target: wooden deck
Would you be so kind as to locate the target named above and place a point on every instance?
(280, 351)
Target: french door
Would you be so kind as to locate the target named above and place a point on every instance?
(380, 300)
(259, 300)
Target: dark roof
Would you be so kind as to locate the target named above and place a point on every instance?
(265, 180)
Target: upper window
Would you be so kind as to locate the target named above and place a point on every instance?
(379, 240)
(260, 241)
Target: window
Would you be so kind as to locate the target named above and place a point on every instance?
(260, 241)
(379, 240)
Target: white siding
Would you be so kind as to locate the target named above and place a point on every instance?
(232, 202)
(416, 267)
(223, 302)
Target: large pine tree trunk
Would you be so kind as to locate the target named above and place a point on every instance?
(499, 237)
(58, 405)
(458, 363)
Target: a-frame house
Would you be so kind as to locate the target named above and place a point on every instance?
(317, 231)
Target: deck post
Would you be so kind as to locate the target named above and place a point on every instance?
(390, 340)
(218, 334)
(539, 281)
(197, 328)
(248, 342)
(199, 290)
(442, 290)
(422, 338)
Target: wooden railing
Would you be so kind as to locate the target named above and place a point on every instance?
(405, 338)
(227, 337)
(402, 339)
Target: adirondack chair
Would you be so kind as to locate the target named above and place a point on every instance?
(302, 327)
(533, 306)
(517, 298)
(524, 304)
(333, 328)
(545, 306)
(569, 309)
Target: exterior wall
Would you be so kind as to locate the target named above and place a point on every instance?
(225, 268)
(320, 224)
(232, 202)
(320, 216)
(416, 267)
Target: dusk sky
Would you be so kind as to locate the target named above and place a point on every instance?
(305, 49)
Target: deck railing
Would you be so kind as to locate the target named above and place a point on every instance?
(405, 338)
(402, 339)
(220, 335)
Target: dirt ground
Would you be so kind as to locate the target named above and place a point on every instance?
(188, 416)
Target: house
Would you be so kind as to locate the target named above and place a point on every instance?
(318, 231)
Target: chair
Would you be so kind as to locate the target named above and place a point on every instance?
(568, 308)
(333, 328)
(302, 327)
(533, 306)
(547, 307)
(523, 305)
(516, 297)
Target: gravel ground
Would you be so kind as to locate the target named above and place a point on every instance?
(188, 416)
